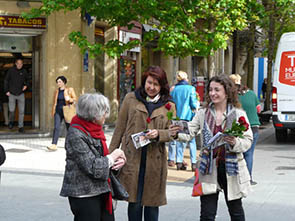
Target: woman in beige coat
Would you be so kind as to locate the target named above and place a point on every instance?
(62, 96)
(221, 165)
(145, 172)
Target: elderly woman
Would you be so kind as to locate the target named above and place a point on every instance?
(221, 165)
(144, 176)
(88, 161)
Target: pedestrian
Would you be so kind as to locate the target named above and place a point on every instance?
(185, 99)
(62, 96)
(145, 173)
(221, 163)
(264, 87)
(251, 105)
(15, 84)
(88, 161)
(263, 90)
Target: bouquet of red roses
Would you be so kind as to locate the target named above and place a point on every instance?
(238, 128)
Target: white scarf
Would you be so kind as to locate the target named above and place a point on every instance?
(153, 100)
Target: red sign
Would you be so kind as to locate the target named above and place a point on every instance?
(7, 21)
(287, 68)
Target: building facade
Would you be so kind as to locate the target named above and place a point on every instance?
(48, 53)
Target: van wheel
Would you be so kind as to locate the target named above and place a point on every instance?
(281, 135)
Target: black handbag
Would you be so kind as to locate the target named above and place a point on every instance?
(118, 190)
(2, 155)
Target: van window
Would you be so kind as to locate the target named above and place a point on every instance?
(287, 68)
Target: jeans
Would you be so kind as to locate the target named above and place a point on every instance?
(180, 149)
(90, 209)
(21, 108)
(135, 212)
(248, 155)
(172, 150)
(209, 202)
(58, 117)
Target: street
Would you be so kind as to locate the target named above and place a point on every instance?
(29, 196)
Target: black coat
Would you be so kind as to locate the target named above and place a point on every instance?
(15, 80)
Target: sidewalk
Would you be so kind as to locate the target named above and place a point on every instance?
(30, 155)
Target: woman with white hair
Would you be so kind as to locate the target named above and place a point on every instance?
(185, 98)
(88, 161)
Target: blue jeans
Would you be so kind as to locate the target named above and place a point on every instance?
(180, 149)
(248, 155)
(172, 150)
(58, 117)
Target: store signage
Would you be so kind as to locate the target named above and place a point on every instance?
(125, 37)
(7, 21)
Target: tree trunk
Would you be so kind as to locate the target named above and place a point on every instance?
(211, 66)
(234, 60)
(271, 46)
(251, 54)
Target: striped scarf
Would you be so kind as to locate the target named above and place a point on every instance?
(206, 161)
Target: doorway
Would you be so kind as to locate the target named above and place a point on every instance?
(20, 47)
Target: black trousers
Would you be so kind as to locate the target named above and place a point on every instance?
(209, 202)
(90, 209)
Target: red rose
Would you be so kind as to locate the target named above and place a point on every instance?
(246, 125)
(148, 120)
(168, 106)
(242, 120)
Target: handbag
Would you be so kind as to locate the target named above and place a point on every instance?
(69, 111)
(204, 184)
(118, 190)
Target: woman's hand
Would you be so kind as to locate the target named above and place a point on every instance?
(173, 130)
(117, 154)
(231, 140)
(119, 163)
(152, 134)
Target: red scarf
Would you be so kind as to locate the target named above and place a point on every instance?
(96, 132)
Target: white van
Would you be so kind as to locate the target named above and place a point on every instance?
(283, 92)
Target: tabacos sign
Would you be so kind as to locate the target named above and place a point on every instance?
(287, 68)
(7, 21)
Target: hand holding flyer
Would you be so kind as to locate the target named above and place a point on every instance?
(140, 139)
(182, 124)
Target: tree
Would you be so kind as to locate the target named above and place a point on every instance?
(182, 27)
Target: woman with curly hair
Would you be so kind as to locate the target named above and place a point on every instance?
(221, 165)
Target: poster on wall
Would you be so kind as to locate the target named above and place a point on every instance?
(127, 77)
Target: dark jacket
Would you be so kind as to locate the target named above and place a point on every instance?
(87, 171)
(15, 80)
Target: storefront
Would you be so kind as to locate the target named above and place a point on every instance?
(47, 52)
(19, 38)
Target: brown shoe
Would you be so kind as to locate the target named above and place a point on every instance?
(180, 166)
(53, 147)
(184, 163)
(171, 163)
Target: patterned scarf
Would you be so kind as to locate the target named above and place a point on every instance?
(206, 161)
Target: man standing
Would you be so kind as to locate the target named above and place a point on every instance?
(185, 99)
(15, 84)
